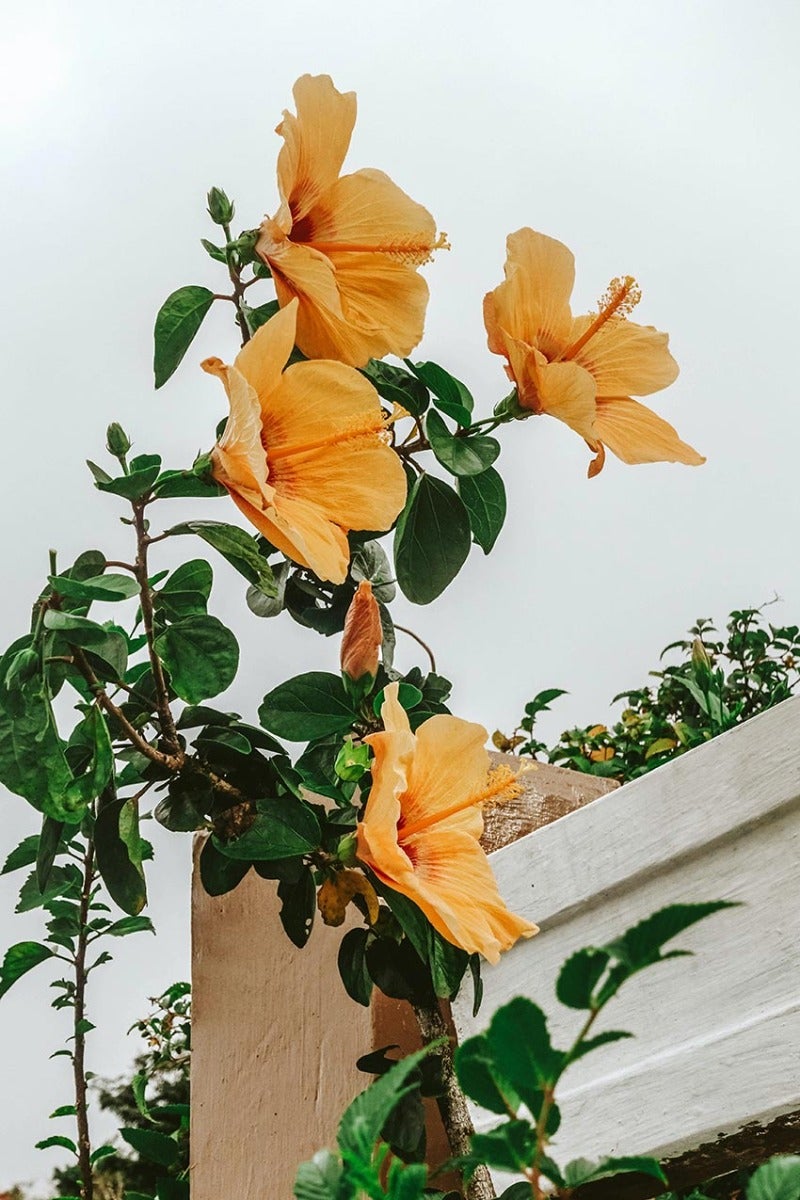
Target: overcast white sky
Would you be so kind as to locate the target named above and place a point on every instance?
(654, 139)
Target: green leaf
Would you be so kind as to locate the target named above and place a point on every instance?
(64, 882)
(100, 1153)
(201, 655)
(601, 1039)
(172, 1189)
(177, 484)
(473, 1062)
(407, 1181)
(256, 317)
(517, 1191)
(239, 548)
(93, 731)
(397, 386)
(186, 591)
(154, 1146)
(109, 587)
(51, 841)
(408, 696)
(22, 855)
(137, 483)
(778, 1179)
(642, 944)
(64, 1110)
(432, 540)
(451, 396)
(19, 959)
(484, 497)
(448, 965)
(128, 925)
(307, 707)
(581, 1170)
(398, 971)
(119, 854)
(284, 828)
(319, 1178)
(107, 644)
(363, 1120)
(579, 976)
(57, 1140)
(178, 320)
(298, 905)
(220, 874)
(32, 761)
(352, 966)
(521, 1050)
(510, 1147)
(460, 455)
(182, 809)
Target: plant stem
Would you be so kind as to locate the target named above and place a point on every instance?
(418, 639)
(166, 722)
(452, 1103)
(238, 288)
(79, 1050)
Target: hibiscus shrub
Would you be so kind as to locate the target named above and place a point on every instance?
(325, 450)
(718, 683)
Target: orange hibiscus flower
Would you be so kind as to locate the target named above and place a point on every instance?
(421, 828)
(582, 370)
(304, 454)
(348, 247)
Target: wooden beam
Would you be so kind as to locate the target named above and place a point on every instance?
(714, 1061)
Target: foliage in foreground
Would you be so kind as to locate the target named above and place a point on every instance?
(512, 1070)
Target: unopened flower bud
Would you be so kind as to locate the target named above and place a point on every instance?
(117, 441)
(700, 659)
(362, 637)
(352, 761)
(220, 208)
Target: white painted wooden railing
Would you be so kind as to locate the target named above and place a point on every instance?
(717, 1045)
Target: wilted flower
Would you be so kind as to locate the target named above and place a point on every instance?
(348, 247)
(421, 828)
(304, 453)
(582, 370)
(362, 637)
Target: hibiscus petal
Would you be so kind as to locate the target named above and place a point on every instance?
(315, 141)
(238, 458)
(450, 766)
(567, 391)
(300, 531)
(383, 302)
(262, 359)
(368, 211)
(533, 303)
(454, 886)
(317, 401)
(637, 435)
(625, 358)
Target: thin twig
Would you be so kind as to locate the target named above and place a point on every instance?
(111, 562)
(78, 1054)
(165, 718)
(104, 700)
(424, 645)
